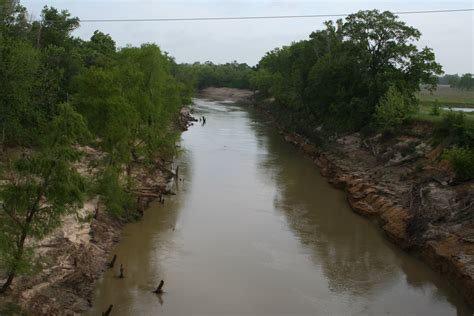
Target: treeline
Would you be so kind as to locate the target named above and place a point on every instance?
(464, 82)
(58, 94)
(358, 72)
(231, 75)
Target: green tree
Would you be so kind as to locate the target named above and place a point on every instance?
(99, 51)
(130, 107)
(338, 76)
(38, 189)
(392, 110)
(466, 82)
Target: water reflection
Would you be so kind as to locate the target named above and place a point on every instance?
(353, 257)
(257, 231)
(138, 251)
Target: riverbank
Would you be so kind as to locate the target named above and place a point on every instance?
(401, 184)
(74, 256)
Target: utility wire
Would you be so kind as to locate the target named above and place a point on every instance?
(261, 17)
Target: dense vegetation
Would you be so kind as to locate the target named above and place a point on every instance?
(339, 76)
(464, 82)
(231, 75)
(59, 93)
(361, 74)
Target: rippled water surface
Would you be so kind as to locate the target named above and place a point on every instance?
(255, 230)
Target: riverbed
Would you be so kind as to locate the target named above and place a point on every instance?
(255, 230)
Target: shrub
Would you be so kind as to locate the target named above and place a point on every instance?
(435, 108)
(462, 161)
(392, 110)
(455, 126)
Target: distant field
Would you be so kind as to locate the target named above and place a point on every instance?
(424, 114)
(447, 96)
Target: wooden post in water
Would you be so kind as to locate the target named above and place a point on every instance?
(159, 289)
(111, 264)
(121, 276)
(107, 312)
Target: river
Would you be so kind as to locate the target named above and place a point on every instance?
(255, 230)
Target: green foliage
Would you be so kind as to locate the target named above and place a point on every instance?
(116, 199)
(435, 108)
(340, 74)
(130, 106)
(462, 161)
(455, 127)
(40, 187)
(59, 92)
(10, 309)
(460, 133)
(99, 51)
(465, 82)
(232, 75)
(18, 66)
(392, 110)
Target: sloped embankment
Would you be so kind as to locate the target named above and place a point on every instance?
(74, 256)
(409, 195)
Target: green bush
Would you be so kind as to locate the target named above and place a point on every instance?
(392, 110)
(455, 126)
(117, 200)
(462, 161)
(435, 108)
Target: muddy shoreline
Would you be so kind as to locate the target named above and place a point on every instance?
(74, 256)
(409, 196)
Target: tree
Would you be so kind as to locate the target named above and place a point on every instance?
(338, 76)
(58, 91)
(466, 82)
(39, 188)
(55, 27)
(130, 106)
(99, 51)
(392, 110)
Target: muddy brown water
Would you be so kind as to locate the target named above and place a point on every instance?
(255, 230)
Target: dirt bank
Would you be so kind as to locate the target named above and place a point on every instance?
(417, 209)
(74, 256)
(401, 183)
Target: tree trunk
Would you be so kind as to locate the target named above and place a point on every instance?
(19, 255)
(24, 233)
(7, 284)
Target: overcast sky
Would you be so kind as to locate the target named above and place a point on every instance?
(451, 35)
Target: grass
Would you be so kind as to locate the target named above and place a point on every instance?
(425, 110)
(447, 96)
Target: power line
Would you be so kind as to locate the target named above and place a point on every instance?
(261, 17)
